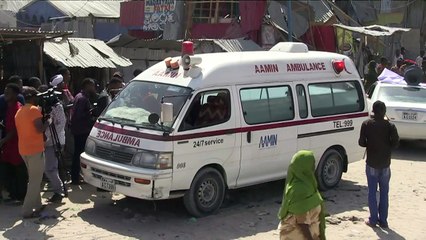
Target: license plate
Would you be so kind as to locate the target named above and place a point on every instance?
(108, 184)
(412, 116)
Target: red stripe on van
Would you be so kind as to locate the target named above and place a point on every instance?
(226, 131)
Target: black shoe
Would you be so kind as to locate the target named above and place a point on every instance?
(57, 198)
(383, 225)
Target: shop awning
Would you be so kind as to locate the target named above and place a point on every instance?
(84, 53)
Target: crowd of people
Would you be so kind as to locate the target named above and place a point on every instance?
(398, 65)
(33, 138)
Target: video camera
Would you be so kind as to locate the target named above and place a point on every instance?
(48, 99)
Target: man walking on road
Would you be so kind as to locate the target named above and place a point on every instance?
(379, 136)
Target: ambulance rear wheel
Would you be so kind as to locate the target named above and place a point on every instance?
(329, 170)
(206, 193)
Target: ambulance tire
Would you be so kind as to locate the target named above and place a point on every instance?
(329, 170)
(206, 193)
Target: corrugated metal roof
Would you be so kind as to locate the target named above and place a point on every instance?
(228, 45)
(11, 34)
(84, 53)
(237, 45)
(83, 8)
(13, 5)
(323, 13)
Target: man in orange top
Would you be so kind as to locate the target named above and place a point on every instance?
(30, 128)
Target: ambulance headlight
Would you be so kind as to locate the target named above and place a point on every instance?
(153, 160)
(90, 147)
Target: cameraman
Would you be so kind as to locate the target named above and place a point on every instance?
(81, 124)
(30, 128)
(51, 167)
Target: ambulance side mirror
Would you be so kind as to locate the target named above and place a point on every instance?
(166, 112)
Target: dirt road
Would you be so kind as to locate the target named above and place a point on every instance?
(247, 213)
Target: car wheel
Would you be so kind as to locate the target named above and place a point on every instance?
(206, 193)
(329, 170)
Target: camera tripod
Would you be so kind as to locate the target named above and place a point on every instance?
(58, 153)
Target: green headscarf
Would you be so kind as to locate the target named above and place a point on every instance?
(301, 190)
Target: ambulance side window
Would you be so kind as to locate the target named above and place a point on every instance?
(267, 104)
(335, 98)
(301, 100)
(207, 109)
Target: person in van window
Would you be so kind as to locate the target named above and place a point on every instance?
(302, 212)
(379, 136)
(149, 101)
(81, 124)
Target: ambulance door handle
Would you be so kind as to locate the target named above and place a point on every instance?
(249, 136)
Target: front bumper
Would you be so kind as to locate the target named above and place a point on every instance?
(123, 177)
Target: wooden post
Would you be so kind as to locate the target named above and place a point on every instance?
(40, 63)
(189, 12)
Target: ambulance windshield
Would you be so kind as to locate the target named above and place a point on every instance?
(139, 99)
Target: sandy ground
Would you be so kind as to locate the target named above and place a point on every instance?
(248, 213)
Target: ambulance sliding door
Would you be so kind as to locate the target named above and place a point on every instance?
(268, 138)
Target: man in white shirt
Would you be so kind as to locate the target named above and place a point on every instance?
(419, 59)
(51, 168)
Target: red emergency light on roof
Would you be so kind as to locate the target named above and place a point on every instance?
(187, 48)
(338, 65)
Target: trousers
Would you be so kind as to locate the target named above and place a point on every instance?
(378, 178)
(79, 145)
(35, 167)
(51, 170)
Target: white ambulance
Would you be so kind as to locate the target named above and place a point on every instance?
(228, 120)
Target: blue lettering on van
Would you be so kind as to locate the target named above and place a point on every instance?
(268, 141)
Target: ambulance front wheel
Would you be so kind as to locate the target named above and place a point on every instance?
(329, 170)
(206, 193)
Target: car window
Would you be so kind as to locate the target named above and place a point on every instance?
(335, 98)
(208, 109)
(402, 94)
(267, 104)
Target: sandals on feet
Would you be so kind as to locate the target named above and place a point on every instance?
(368, 223)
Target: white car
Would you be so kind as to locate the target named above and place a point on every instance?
(405, 107)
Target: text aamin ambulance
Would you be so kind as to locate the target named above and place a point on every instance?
(229, 120)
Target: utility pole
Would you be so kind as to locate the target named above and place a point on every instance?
(289, 21)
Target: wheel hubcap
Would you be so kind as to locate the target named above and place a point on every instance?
(331, 170)
(207, 192)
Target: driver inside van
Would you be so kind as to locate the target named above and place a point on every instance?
(214, 111)
(150, 102)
